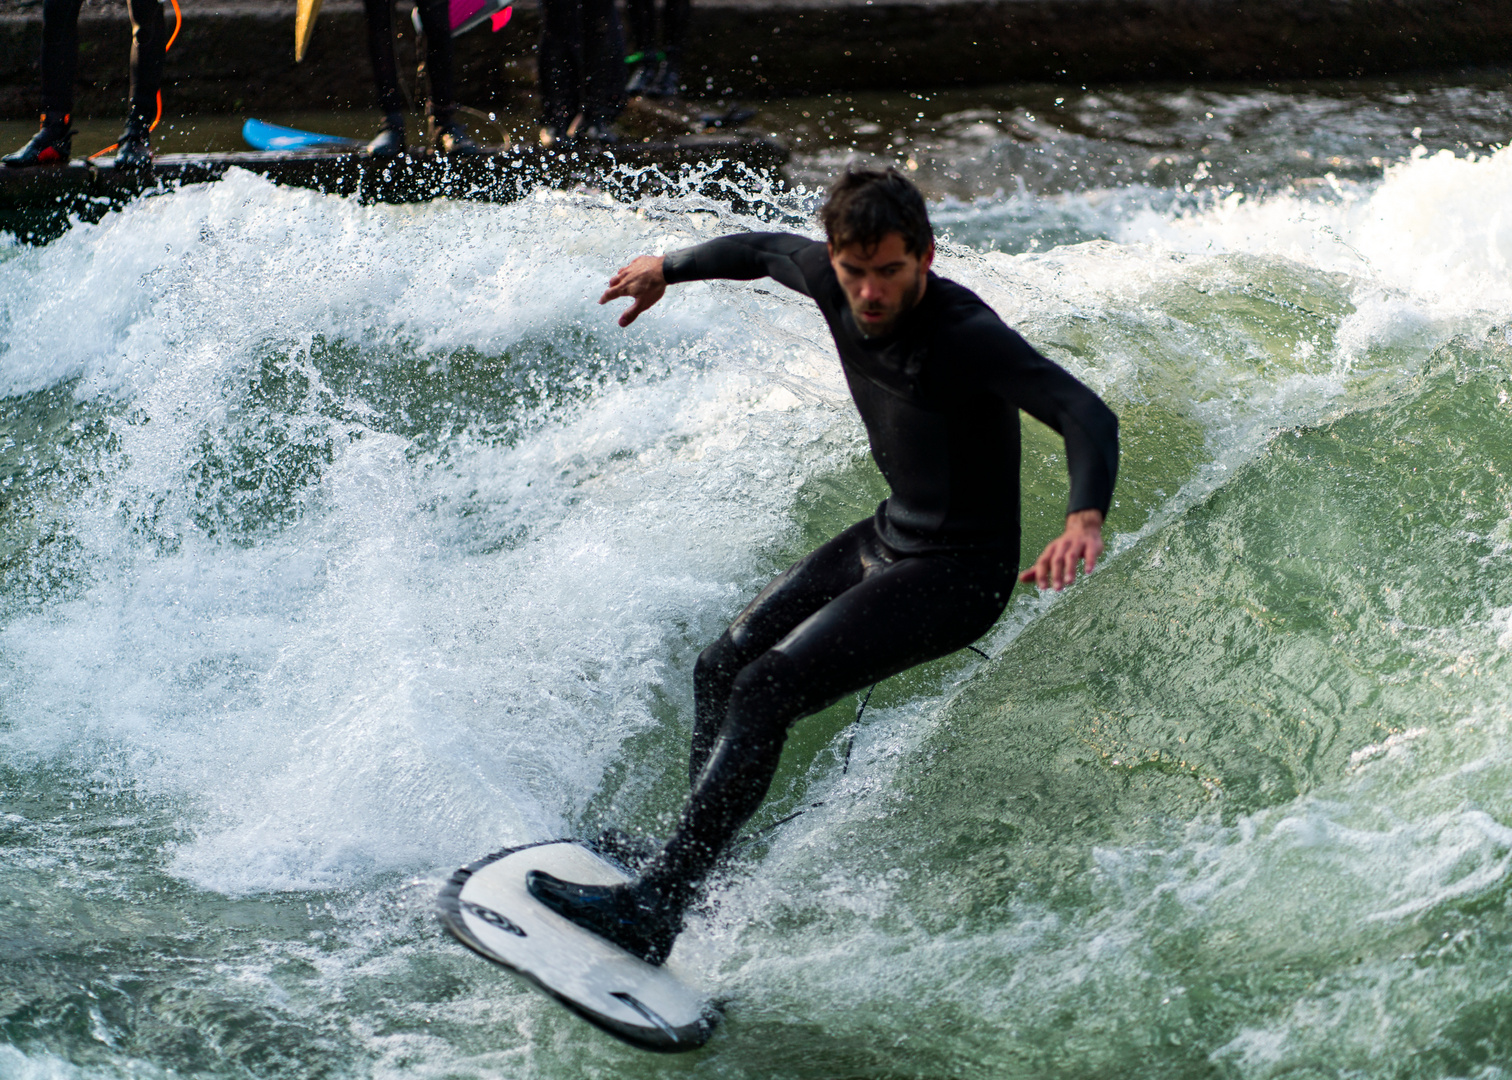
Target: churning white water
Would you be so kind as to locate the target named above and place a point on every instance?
(341, 545)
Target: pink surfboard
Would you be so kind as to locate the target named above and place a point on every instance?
(466, 14)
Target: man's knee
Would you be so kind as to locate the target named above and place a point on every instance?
(720, 660)
(766, 697)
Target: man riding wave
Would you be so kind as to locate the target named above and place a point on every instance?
(939, 380)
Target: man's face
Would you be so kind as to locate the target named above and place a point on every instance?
(881, 282)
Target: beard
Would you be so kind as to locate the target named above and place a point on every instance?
(890, 315)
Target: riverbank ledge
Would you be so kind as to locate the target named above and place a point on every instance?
(236, 56)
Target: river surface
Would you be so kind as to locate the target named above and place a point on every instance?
(340, 545)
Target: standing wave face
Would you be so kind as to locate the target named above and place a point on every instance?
(342, 545)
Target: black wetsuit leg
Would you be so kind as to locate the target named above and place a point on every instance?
(641, 17)
(60, 56)
(149, 39)
(675, 16)
(849, 614)
(435, 17)
(582, 62)
(380, 36)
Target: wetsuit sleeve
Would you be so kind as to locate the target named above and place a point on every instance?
(1053, 396)
(787, 259)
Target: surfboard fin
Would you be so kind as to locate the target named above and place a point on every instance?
(649, 1013)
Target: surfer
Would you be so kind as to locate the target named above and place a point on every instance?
(581, 70)
(53, 143)
(435, 17)
(939, 381)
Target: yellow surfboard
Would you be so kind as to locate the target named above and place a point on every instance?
(304, 27)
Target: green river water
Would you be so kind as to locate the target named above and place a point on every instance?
(341, 545)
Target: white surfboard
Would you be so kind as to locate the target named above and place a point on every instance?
(486, 906)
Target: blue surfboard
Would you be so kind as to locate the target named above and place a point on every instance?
(262, 136)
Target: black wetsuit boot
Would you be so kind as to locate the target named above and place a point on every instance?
(639, 918)
(133, 151)
(49, 146)
(389, 142)
(656, 71)
(452, 137)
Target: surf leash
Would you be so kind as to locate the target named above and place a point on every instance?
(850, 744)
(178, 24)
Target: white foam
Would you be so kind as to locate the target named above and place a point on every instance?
(447, 652)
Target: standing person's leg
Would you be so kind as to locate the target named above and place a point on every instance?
(435, 19)
(641, 17)
(451, 137)
(60, 57)
(560, 65)
(52, 144)
(389, 142)
(603, 67)
(149, 38)
(675, 17)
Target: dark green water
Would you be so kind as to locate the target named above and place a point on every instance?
(340, 545)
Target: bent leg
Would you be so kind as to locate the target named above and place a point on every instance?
(915, 610)
(786, 601)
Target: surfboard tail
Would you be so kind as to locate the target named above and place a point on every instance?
(304, 27)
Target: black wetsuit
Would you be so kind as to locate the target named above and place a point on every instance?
(435, 17)
(60, 56)
(582, 63)
(928, 574)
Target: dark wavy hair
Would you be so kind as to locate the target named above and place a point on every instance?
(864, 205)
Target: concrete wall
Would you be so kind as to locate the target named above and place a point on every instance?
(237, 56)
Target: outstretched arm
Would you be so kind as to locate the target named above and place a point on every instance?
(643, 281)
(1081, 542)
(738, 257)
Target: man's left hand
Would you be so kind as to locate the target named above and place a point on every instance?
(1081, 542)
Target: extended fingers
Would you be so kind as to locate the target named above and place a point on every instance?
(642, 302)
(1091, 554)
(1056, 566)
(618, 286)
(1065, 564)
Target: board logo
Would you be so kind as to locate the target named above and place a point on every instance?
(492, 918)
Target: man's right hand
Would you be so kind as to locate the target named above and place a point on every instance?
(642, 281)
